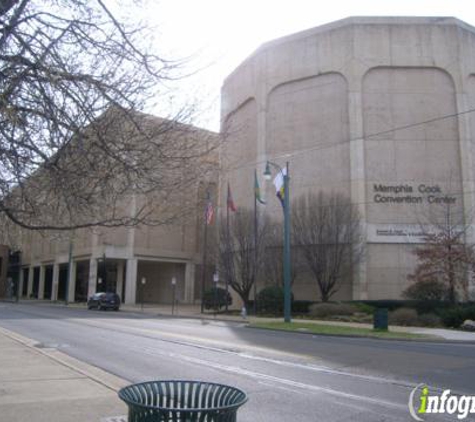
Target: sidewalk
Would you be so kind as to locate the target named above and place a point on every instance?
(44, 385)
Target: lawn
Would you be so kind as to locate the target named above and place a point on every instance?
(338, 330)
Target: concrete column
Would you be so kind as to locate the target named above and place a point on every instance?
(20, 284)
(464, 102)
(131, 281)
(120, 278)
(54, 290)
(72, 283)
(131, 230)
(31, 273)
(41, 287)
(91, 287)
(189, 282)
(358, 178)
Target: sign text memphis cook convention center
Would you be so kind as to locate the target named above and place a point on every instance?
(408, 194)
(405, 194)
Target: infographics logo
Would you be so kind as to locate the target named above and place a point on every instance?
(422, 403)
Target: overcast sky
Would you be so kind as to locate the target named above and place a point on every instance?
(220, 34)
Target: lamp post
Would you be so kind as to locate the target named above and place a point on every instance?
(142, 286)
(286, 209)
(215, 280)
(173, 294)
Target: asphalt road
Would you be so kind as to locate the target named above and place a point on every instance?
(288, 377)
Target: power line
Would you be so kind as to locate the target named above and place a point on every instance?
(372, 135)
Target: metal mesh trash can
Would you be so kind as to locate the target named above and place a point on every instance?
(182, 401)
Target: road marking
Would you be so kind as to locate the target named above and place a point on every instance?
(158, 336)
(184, 339)
(181, 340)
(273, 379)
(327, 370)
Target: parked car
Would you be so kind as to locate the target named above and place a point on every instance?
(104, 301)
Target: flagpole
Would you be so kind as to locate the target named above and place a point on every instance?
(228, 240)
(205, 255)
(255, 244)
(203, 269)
(284, 174)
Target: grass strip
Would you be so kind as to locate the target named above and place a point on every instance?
(339, 330)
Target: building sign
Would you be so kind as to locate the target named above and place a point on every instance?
(395, 233)
(411, 194)
(404, 233)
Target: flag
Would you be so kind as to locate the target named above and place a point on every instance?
(231, 205)
(209, 212)
(257, 190)
(279, 185)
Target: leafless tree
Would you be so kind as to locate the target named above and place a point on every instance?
(326, 229)
(238, 261)
(274, 257)
(445, 258)
(74, 151)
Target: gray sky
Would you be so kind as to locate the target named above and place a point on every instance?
(220, 34)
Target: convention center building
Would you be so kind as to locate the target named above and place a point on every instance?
(379, 109)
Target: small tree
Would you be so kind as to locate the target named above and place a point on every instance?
(238, 260)
(274, 257)
(445, 258)
(326, 229)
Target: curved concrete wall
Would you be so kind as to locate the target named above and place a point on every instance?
(376, 108)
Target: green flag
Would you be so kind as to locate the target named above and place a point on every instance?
(257, 190)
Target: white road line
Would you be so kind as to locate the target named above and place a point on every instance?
(278, 381)
(180, 339)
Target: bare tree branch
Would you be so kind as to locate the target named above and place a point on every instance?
(445, 258)
(238, 260)
(326, 229)
(74, 151)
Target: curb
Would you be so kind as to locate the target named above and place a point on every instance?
(137, 312)
(190, 316)
(108, 380)
(366, 337)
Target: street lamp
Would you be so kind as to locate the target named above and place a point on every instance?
(286, 209)
(173, 294)
(142, 286)
(215, 280)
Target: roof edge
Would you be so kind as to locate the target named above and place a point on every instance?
(357, 20)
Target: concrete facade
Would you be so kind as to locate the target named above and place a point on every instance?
(378, 109)
(45, 265)
(117, 259)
